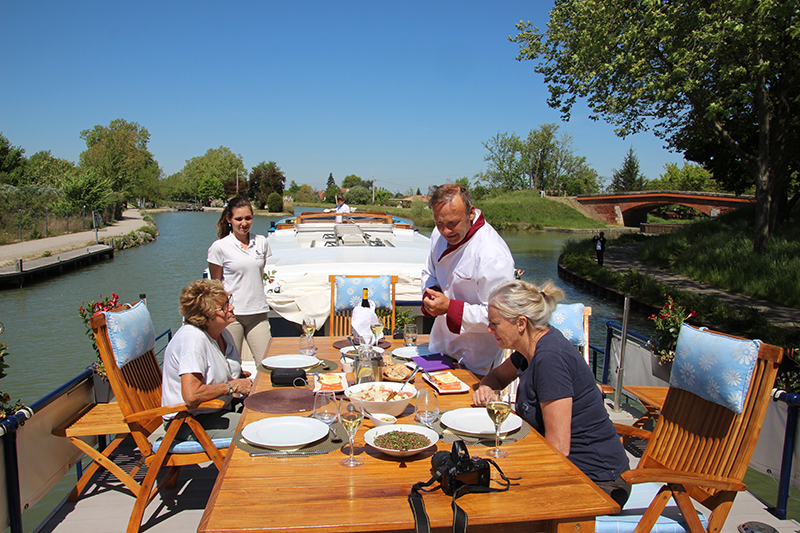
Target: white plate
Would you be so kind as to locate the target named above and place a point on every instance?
(342, 385)
(369, 438)
(290, 361)
(463, 387)
(407, 352)
(476, 421)
(284, 432)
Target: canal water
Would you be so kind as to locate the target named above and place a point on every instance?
(47, 341)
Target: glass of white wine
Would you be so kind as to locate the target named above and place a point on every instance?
(377, 329)
(351, 414)
(309, 327)
(498, 407)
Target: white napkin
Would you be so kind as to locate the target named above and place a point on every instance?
(361, 319)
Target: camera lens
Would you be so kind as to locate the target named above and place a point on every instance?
(440, 459)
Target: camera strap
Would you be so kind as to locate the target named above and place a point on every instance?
(422, 523)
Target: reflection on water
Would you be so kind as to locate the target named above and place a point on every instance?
(46, 337)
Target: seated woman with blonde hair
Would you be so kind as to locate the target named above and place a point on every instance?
(557, 393)
(201, 361)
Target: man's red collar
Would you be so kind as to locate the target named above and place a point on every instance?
(478, 224)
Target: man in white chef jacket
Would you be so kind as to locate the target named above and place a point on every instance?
(468, 258)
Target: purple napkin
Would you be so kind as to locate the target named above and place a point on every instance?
(434, 362)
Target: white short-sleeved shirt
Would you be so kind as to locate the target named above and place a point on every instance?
(193, 351)
(344, 208)
(243, 271)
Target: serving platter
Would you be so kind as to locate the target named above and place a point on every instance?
(330, 382)
(290, 361)
(285, 432)
(476, 421)
(370, 435)
(462, 387)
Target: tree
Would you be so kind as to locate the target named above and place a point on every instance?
(266, 178)
(628, 178)
(354, 181)
(220, 163)
(331, 181)
(118, 153)
(331, 193)
(210, 189)
(358, 195)
(12, 162)
(44, 169)
(725, 68)
(293, 187)
(275, 203)
(306, 194)
(505, 169)
(690, 177)
(382, 196)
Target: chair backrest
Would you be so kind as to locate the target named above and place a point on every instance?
(125, 338)
(698, 436)
(346, 292)
(572, 320)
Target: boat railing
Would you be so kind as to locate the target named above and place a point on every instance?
(35, 460)
(353, 218)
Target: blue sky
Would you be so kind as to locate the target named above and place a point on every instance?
(402, 92)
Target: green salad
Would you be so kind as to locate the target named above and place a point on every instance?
(402, 440)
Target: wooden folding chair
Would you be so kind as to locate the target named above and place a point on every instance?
(125, 339)
(704, 439)
(346, 292)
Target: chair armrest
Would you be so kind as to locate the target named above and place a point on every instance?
(630, 431)
(175, 408)
(665, 475)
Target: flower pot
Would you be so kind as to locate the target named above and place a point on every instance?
(102, 389)
(662, 371)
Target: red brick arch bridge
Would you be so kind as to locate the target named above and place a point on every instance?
(631, 208)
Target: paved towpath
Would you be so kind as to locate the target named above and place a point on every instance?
(26, 250)
(624, 257)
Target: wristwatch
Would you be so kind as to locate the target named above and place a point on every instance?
(230, 388)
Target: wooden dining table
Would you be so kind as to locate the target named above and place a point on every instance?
(315, 492)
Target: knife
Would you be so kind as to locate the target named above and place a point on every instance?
(258, 454)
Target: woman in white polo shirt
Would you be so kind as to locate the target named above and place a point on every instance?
(238, 258)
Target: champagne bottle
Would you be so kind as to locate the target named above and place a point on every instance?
(364, 300)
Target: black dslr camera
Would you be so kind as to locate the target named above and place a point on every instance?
(457, 468)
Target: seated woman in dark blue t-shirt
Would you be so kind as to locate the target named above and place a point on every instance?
(557, 393)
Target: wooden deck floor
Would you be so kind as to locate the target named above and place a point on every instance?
(107, 504)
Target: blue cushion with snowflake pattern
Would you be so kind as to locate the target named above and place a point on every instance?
(131, 333)
(350, 290)
(713, 366)
(568, 319)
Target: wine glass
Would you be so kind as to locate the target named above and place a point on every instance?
(377, 329)
(309, 327)
(351, 414)
(325, 408)
(307, 346)
(427, 407)
(410, 335)
(498, 407)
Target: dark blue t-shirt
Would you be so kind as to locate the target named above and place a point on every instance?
(557, 371)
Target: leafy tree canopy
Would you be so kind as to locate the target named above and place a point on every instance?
(266, 178)
(118, 153)
(690, 177)
(12, 162)
(542, 161)
(354, 181)
(44, 169)
(331, 193)
(358, 195)
(210, 189)
(727, 70)
(306, 194)
(331, 181)
(293, 187)
(220, 163)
